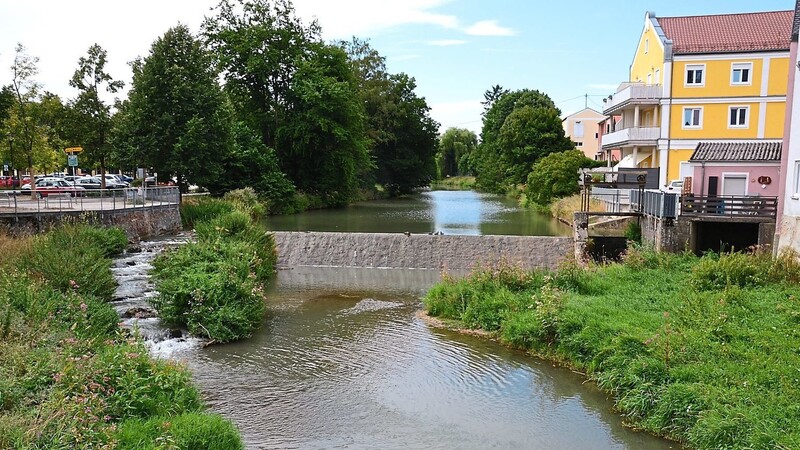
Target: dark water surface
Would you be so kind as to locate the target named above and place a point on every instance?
(451, 212)
(344, 361)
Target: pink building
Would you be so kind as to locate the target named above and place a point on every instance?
(736, 169)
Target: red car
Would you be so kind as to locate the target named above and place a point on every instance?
(47, 186)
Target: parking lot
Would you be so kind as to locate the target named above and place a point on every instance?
(16, 202)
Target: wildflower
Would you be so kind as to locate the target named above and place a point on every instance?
(84, 307)
(73, 284)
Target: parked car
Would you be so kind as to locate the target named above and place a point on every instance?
(112, 180)
(51, 185)
(675, 186)
(88, 182)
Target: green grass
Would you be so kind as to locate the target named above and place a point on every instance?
(214, 286)
(461, 183)
(69, 378)
(702, 350)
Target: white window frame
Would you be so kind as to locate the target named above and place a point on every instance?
(700, 118)
(701, 67)
(741, 66)
(578, 143)
(658, 76)
(746, 116)
(796, 193)
(745, 175)
(646, 46)
(649, 78)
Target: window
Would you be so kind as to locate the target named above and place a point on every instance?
(578, 143)
(646, 46)
(694, 74)
(740, 73)
(796, 179)
(578, 132)
(649, 78)
(658, 76)
(596, 135)
(738, 116)
(692, 117)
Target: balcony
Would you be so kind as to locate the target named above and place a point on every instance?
(633, 94)
(627, 137)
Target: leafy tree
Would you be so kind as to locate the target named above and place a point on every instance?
(26, 91)
(176, 120)
(322, 143)
(556, 175)
(259, 44)
(455, 148)
(491, 96)
(519, 128)
(251, 163)
(90, 116)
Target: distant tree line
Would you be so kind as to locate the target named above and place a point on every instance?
(256, 99)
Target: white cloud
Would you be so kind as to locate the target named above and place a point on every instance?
(447, 42)
(488, 28)
(343, 19)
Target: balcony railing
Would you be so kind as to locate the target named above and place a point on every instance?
(655, 203)
(729, 206)
(633, 94)
(642, 136)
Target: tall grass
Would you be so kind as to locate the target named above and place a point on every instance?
(214, 285)
(701, 350)
(68, 377)
(461, 183)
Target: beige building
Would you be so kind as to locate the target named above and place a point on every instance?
(581, 127)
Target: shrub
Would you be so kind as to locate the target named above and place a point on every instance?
(206, 208)
(731, 269)
(246, 200)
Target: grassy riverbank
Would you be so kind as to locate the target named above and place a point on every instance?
(463, 183)
(69, 378)
(214, 286)
(701, 350)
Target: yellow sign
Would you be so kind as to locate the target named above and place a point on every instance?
(73, 149)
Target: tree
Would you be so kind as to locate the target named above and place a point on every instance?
(322, 143)
(556, 175)
(176, 120)
(455, 149)
(491, 96)
(91, 117)
(259, 44)
(519, 128)
(402, 134)
(26, 91)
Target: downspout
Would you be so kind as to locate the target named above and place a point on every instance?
(787, 127)
(671, 119)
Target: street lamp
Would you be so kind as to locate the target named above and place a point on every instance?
(11, 151)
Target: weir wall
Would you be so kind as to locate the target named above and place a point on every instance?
(419, 251)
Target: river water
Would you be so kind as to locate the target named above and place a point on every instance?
(345, 361)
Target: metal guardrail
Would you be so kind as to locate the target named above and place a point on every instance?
(730, 206)
(655, 203)
(614, 200)
(97, 200)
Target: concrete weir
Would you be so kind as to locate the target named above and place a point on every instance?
(418, 251)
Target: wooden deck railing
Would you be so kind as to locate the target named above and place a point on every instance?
(730, 206)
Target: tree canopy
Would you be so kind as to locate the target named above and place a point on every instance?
(456, 147)
(556, 176)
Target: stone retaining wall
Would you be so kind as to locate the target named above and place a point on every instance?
(418, 251)
(137, 223)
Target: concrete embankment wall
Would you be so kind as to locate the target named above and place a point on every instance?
(418, 251)
(137, 223)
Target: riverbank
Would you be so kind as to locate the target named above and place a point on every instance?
(646, 331)
(463, 183)
(69, 377)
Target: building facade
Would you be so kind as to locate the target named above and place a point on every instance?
(582, 128)
(719, 79)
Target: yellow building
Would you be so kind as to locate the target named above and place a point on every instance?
(581, 129)
(711, 79)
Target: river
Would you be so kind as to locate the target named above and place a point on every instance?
(345, 361)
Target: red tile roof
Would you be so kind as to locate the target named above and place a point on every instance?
(748, 32)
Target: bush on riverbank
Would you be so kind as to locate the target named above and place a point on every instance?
(68, 377)
(213, 286)
(702, 350)
(461, 183)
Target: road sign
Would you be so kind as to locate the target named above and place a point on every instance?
(73, 149)
(72, 160)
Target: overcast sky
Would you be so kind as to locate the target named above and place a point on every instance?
(456, 49)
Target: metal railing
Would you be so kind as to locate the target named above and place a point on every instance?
(730, 206)
(98, 200)
(655, 203)
(614, 200)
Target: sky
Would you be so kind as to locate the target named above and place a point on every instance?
(455, 49)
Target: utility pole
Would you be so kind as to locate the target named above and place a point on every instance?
(585, 101)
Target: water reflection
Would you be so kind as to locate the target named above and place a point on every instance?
(345, 362)
(450, 212)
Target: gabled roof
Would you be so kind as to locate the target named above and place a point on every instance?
(726, 33)
(737, 152)
(596, 115)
